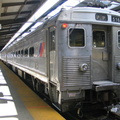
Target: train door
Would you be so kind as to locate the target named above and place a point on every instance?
(99, 54)
(52, 53)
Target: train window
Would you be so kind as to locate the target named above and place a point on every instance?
(76, 37)
(52, 40)
(119, 39)
(26, 52)
(13, 53)
(31, 51)
(21, 53)
(16, 53)
(98, 39)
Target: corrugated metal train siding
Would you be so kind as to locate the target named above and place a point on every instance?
(72, 76)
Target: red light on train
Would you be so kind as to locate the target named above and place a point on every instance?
(64, 25)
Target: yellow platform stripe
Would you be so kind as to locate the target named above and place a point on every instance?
(35, 105)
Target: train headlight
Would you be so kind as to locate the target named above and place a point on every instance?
(83, 67)
(118, 66)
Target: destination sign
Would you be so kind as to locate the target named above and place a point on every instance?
(115, 19)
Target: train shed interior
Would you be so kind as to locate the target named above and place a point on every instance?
(13, 14)
(17, 19)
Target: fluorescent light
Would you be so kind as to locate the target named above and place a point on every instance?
(36, 25)
(24, 27)
(67, 5)
(46, 6)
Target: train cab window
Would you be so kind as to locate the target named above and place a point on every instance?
(98, 38)
(119, 39)
(76, 37)
(31, 51)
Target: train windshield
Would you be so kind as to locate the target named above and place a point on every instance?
(76, 37)
(119, 39)
(98, 39)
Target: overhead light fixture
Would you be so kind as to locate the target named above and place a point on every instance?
(67, 5)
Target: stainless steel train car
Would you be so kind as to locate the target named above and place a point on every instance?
(74, 57)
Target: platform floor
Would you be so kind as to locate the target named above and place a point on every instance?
(19, 102)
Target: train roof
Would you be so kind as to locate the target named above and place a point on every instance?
(91, 15)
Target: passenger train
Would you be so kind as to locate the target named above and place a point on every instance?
(74, 57)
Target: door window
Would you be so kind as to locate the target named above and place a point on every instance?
(98, 38)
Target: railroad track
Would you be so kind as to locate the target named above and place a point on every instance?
(92, 115)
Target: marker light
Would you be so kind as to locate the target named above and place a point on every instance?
(64, 25)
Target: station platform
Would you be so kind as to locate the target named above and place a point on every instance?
(19, 102)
